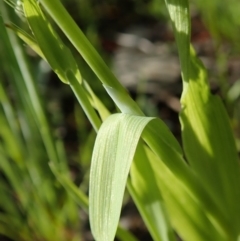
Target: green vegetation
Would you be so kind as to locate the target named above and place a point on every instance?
(192, 190)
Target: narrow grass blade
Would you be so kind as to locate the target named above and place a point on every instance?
(124, 235)
(75, 35)
(114, 150)
(56, 53)
(146, 194)
(10, 230)
(180, 18)
(76, 193)
(96, 102)
(27, 38)
(82, 200)
(7, 136)
(83, 99)
(27, 93)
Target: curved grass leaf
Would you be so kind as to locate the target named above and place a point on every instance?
(113, 153)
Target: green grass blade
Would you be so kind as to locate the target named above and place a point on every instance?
(82, 200)
(75, 192)
(209, 144)
(13, 174)
(27, 38)
(112, 156)
(75, 35)
(124, 235)
(180, 18)
(81, 95)
(157, 137)
(6, 195)
(55, 52)
(58, 56)
(146, 194)
(96, 102)
(10, 231)
(12, 147)
(207, 137)
(26, 89)
(9, 112)
(113, 153)
(188, 217)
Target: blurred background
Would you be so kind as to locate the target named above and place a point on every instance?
(136, 40)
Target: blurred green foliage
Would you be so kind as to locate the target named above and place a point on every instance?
(222, 19)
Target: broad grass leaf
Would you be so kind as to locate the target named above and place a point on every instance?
(83, 92)
(187, 214)
(209, 144)
(155, 137)
(207, 137)
(113, 153)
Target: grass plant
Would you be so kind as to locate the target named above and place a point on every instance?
(191, 189)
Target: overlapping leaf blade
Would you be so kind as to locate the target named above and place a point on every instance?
(197, 218)
(207, 136)
(147, 196)
(189, 217)
(209, 143)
